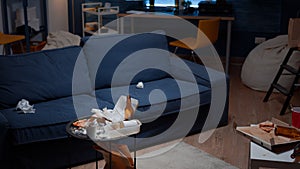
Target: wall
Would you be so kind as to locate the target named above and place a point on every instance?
(258, 18)
(257, 15)
(290, 9)
(57, 15)
(253, 18)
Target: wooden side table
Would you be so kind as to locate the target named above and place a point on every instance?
(261, 157)
(6, 39)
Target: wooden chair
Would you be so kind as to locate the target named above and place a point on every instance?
(6, 39)
(209, 27)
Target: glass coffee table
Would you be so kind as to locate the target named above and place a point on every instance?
(105, 142)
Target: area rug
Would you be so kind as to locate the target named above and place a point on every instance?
(181, 156)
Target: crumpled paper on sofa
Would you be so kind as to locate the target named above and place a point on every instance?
(25, 107)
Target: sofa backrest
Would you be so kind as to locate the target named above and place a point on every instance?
(118, 60)
(40, 76)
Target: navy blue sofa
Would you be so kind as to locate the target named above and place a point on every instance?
(65, 84)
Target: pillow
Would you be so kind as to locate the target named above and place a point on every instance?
(123, 59)
(40, 76)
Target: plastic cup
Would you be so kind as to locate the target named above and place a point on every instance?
(91, 131)
(296, 117)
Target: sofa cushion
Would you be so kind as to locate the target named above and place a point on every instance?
(50, 119)
(125, 56)
(41, 76)
(189, 71)
(152, 98)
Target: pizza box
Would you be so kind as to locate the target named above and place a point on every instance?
(268, 140)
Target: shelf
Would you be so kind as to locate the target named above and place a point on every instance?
(102, 11)
(97, 10)
(102, 31)
(111, 12)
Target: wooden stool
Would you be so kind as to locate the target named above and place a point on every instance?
(6, 39)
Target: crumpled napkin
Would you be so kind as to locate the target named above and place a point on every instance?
(140, 85)
(25, 107)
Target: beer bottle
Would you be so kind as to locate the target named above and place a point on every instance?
(128, 109)
(287, 132)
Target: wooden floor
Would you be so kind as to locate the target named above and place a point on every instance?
(245, 107)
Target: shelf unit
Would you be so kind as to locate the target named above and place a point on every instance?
(97, 28)
(25, 5)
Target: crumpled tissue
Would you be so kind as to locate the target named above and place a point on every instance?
(140, 85)
(25, 107)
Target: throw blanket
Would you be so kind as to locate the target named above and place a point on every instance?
(61, 39)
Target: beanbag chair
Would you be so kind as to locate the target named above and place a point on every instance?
(263, 62)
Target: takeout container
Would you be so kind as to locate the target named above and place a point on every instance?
(296, 117)
(112, 133)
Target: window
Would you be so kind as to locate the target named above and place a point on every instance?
(164, 3)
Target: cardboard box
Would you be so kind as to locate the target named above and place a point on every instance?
(268, 140)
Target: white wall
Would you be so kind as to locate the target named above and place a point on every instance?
(57, 15)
